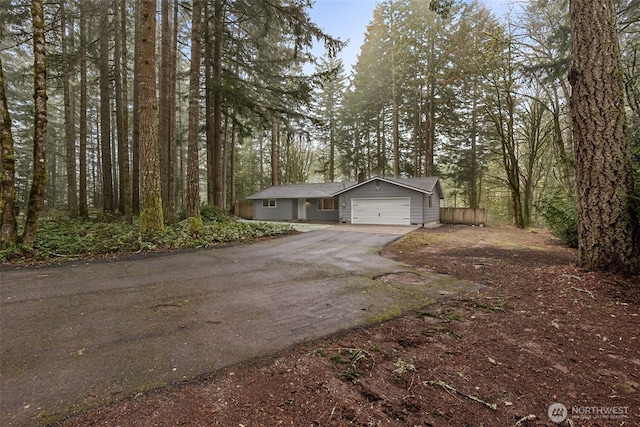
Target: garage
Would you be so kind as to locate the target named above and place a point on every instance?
(387, 210)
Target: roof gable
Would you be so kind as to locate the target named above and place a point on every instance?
(424, 185)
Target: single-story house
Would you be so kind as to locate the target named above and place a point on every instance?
(393, 201)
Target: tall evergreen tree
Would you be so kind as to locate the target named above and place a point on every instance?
(36, 195)
(122, 108)
(369, 101)
(69, 112)
(609, 224)
(9, 232)
(219, 13)
(105, 109)
(464, 157)
(193, 172)
(83, 203)
(327, 104)
(151, 217)
(166, 135)
(135, 117)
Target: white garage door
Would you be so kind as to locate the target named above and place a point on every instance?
(389, 210)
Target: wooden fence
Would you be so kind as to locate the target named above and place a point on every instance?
(467, 216)
(244, 209)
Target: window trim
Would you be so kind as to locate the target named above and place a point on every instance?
(321, 204)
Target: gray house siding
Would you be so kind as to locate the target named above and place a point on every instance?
(431, 214)
(283, 210)
(287, 210)
(386, 189)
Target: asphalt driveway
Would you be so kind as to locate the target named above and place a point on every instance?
(88, 333)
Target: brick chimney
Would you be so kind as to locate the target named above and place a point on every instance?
(362, 177)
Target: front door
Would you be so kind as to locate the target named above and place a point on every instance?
(302, 209)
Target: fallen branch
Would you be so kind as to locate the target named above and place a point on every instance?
(584, 291)
(449, 388)
(529, 417)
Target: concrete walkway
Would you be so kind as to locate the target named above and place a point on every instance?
(88, 333)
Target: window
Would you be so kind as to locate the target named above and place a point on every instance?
(327, 204)
(430, 204)
(268, 203)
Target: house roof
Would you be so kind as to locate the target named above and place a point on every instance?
(424, 185)
(330, 189)
(301, 191)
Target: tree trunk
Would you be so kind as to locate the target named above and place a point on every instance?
(417, 138)
(83, 205)
(122, 110)
(172, 204)
(395, 114)
(36, 195)
(225, 162)
(431, 110)
(9, 234)
(135, 118)
(193, 170)
(208, 72)
(474, 201)
(105, 111)
(218, 170)
(69, 114)
(274, 150)
(126, 160)
(511, 164)
(164, 125)
(608, 224)
(163, 104)
(96, 167)
(151, 217)
(563, 153)
(232, 168)
(431, 129)
(114, 153)
(332, 140)
(381, 159)
(50, 188)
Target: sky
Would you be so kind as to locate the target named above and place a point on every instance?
(348, 20)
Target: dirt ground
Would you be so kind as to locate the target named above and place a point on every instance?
(542, 332)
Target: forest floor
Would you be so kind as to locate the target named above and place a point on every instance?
(542, 332)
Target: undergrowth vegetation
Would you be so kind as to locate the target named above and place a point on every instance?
(561, 215)
(61, 238)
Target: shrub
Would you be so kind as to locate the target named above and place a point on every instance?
(214, 214)
(561, 215)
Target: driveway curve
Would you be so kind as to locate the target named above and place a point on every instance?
(87, 333)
